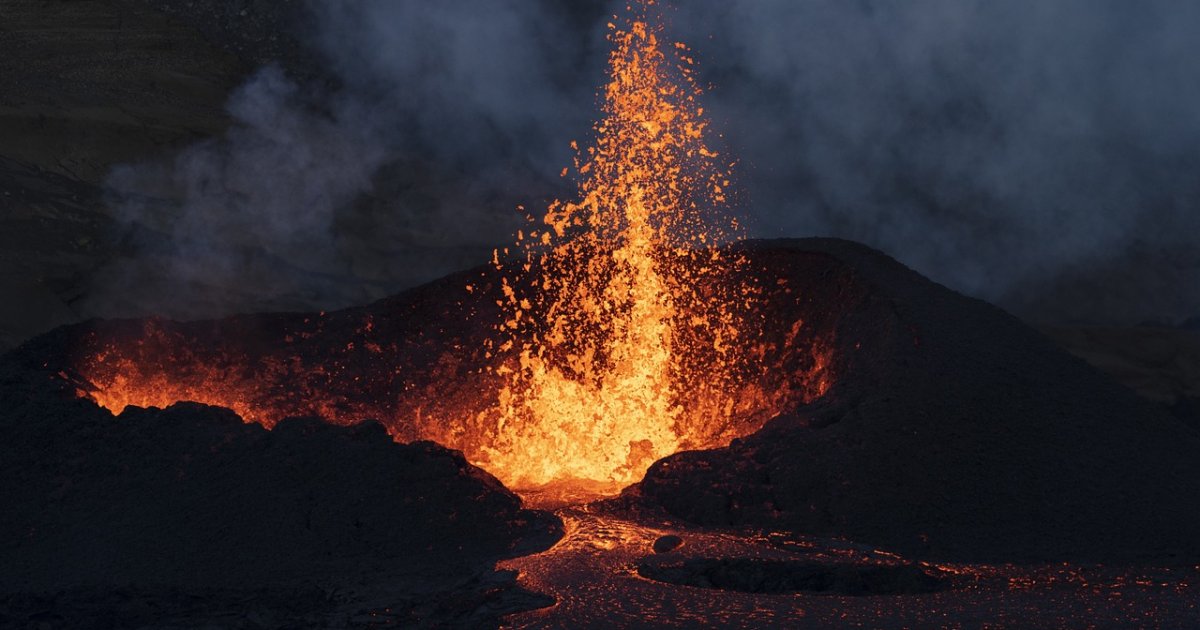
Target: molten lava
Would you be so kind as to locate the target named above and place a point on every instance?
(628, 327)
(624, 326)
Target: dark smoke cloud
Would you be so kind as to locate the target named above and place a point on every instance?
(269, 189)
(404, 157)
(1044, 155)
(1013, 150)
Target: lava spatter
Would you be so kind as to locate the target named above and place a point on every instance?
(627, 326)
(626, 314)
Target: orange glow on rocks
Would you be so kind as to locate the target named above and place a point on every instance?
(623, 327)
(627, 319)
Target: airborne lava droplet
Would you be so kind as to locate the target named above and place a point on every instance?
(627, 328)
(631, 310)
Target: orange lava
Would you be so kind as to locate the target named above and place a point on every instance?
(628, 329)
(623, 327)
(591, 575)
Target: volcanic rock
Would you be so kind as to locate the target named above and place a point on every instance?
(950, 431)
(947, 428)
(670, 542)
(1161, 363)
(753, 575)
(192, 497)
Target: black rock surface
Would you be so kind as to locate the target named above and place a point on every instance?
(951, 431)
(191, 497)
(753, 575)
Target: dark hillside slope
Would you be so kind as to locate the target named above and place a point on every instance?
(951, 431)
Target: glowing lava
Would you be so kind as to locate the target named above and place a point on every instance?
(629, 329)
(626, 316)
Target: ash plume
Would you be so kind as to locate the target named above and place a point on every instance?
(402, 157)
(1041, 155)
(237, 213)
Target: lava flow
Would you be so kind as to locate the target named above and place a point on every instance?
(627, 327)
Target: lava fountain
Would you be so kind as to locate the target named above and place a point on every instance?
(622, 327)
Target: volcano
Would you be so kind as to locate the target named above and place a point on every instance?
(928, 422)
(631, 416)
(946, 431)
(951, 430)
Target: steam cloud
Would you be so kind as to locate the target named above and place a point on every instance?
(1041, 155)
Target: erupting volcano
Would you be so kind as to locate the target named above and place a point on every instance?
(631, 416)
(635, 310)
(627, 329)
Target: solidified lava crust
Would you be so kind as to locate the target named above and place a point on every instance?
(948, 432)
(751, 575)
(951, 431)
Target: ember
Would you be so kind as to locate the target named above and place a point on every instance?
(628, 315)
(628, 328)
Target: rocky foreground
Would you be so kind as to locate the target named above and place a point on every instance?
(951, 431)
(189, 513)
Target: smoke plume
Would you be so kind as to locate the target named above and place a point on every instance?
(1043, 155)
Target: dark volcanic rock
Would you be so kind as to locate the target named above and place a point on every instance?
(192, 497)
(670, 542)
(951, 431)
(753, 575)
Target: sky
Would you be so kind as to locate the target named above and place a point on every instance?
(1042, 155)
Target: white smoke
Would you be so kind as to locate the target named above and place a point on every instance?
(1040, 154)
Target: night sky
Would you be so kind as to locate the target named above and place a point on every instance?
(1039, 155)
